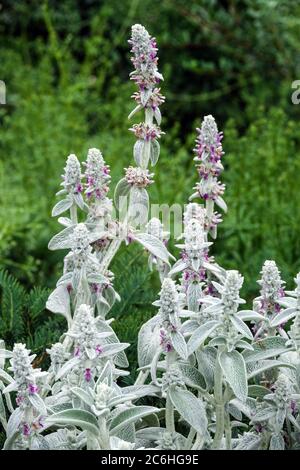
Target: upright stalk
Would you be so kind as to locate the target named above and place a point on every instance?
(219, 402)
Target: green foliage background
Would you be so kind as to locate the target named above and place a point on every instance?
(66, 66)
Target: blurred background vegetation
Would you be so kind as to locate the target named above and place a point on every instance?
(66, 65)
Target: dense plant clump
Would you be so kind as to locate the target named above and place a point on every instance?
(219, 376)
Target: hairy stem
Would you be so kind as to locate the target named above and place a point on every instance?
(73, 214)
(218, 394)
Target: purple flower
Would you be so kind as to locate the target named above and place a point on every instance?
(88, 375)
(26, 429)
(32, 389)
(99, 349)
(77, 352)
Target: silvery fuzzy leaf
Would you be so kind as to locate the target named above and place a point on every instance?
(84, 395)
(10, 440)
(154, 152)
(39, 442)
(254, 369)
(192, 376)
(121, 399)
(283, 316)
(113, 348)
(38, 404)
(241, 344)
(154, 246)
(110, 295)
(179, 266)
(248, 408)
(120, 358)
(249, 441)
(61, 240)
(201, 334)
(75, 417)
(65, 279)
(257, 391)
(280, 418)
(218, 341)
(141, 390)
(145, 95)
(12, 387)
(138, 206)
(106, 375)
(102, 306)
(65, 221)
(62, 206)
(234, 370)
(125, 434)
(206, 359)
(14, 422)
(263, 414)
(221, 203)
(218, 287)
(277, 442)
(154, 365)
(5, 354)
(134, 111)
(62, 192)
(196, 263)
(148, 341)
(96, 278)
(80, 202)
(179, 344)
(121, 192)
(5, 377)
(250, 315)
(69, 365)
(131, 415)
(266, 348)
(235, 411)
(189, 327)
(288, 302)
(138, 151)
(193, 295)
(190, 408)
(91, 353)
(145, 155)
(2, 412)
(241, 327)
(59, 301)
(217, 306)
(157, 115)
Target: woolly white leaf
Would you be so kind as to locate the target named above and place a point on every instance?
(138, 151)
(190, 408)
(62, 206)
(250, 315)
(81, 418)
(38, 404)
(193, 295)
(234, 370)
(241, 327)
(148, 342)
(179, 344)
(59, 301)
(154, 245)
(154, 152)
(121, 191)
(201, 334)
(284, 316)
(130, 415)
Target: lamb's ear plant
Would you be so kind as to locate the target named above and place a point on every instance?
(222, 376)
